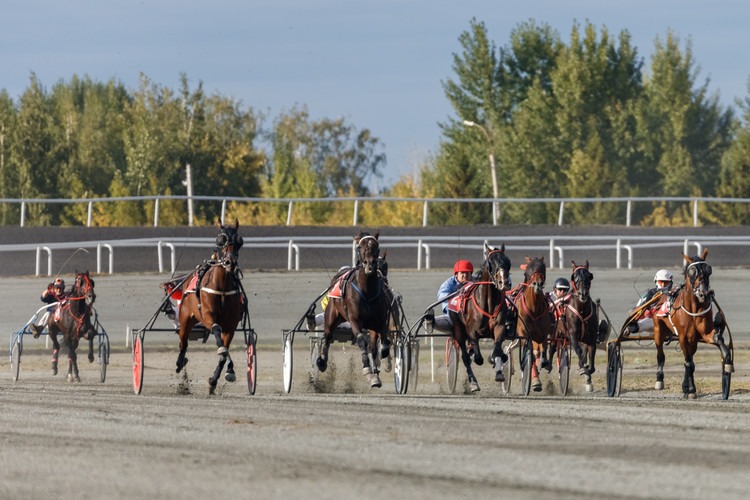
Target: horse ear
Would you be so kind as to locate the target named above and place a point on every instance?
(377, 234)
(502, 248)
(704, 254)
(528, 260)
(587, 264)
(385, 253)
(573, 263)
(686, 258)
(217, 224)
(236, 223)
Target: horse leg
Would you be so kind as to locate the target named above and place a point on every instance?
(91, 347)
(73, 375)
(181, 358)
(688, 381)
(588, 354)
(576, 345)
(537, 349)
(230, 375)
(660, 358)
(364, 349)
(476, 354)
(55, 350)
(497, 359)
(466, 358)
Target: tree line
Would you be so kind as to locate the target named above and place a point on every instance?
(582, 117)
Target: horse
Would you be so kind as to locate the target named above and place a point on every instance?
(213, 295)
(73, 320)
(582, 321)
(690, 318)
(364, 303)
(482, 312)
(534, 322)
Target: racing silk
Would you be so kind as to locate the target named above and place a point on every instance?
(658, 306)
(448, 287)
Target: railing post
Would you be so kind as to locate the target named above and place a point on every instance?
(23, 213)
(223, 211)
(356, 211)
(551, 254)
(88, 218)
(617, 254)
(424, 214)
(419, 255)
(627, 213)
(560, 215)
(289, 213)
(156, 213)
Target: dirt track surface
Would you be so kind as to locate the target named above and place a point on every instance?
(340, 439)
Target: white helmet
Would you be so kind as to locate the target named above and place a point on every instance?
(663, 275)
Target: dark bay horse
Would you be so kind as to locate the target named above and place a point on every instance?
(213, 295)
(534, 322)
(582, 321)
(484, 313)
(73, 320)
(364, 303)
(690, 317)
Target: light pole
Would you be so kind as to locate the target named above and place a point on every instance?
(493, 169)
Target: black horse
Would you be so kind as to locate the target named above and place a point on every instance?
(484, 313)
(360, 297)
(73, 320)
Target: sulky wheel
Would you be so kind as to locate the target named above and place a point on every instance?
(103, 358)
(526, 359)
(451, 363)
(252, 363)
(401, 366)
(15, 357)
(138, 362)
(564, 360)
(288, 360)
(413, 365)
(614, 369)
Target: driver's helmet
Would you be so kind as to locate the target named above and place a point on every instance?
(663, 275)
(59, 284)
(562, 284)
(463, 266)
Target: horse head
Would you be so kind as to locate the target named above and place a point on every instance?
(497, 266)
(368, 251)
(535, 273)
(228, 243)
(83, 286)
(581, 280)
(697, 273)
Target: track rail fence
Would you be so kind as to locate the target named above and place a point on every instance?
(624, 248)
(694, 202)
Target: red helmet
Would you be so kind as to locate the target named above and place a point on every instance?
(463, 266)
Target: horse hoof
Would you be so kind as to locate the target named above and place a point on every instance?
(478, 359)
(91, 357)
(230, 377)
(499, 377)
(374, 380)
(691, 395)
(659, 385)
(388, 365)
(322, 364)
(546, 365)
(536, 385)
(474, 387)
(589, 387)
(54, 369)
(212, 386)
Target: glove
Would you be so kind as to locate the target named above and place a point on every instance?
(50, 286)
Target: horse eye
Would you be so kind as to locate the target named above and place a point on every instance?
(708, 270)
(691, 272)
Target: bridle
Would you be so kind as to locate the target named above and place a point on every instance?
(370, 265)
(581, 283)
(499, 277)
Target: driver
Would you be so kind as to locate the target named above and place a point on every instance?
(663, 281)
(54, 293)
(462, 270)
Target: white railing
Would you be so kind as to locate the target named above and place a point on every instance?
(557, 246)
(694, 202)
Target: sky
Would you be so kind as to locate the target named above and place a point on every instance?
(379, 64)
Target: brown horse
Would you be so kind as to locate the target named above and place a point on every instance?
(582, 322)
(213, 295)
(534, 322)
(484, 313)
(73, 320)
(364, 304)
(691, 320)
